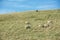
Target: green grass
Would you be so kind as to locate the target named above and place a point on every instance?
(12, 26)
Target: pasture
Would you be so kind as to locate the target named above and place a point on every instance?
(12, 26)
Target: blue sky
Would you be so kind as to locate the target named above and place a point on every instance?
(7, 6)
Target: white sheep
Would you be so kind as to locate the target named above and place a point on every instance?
(47, 24)
(28, 25)
(27, 22)
(39, 25)
(50, 21)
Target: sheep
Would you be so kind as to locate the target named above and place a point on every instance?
(47, 24)
(27, 22)
(50, 21)
(39, 25)
(28, 25)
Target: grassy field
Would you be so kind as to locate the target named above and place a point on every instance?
(12, 26)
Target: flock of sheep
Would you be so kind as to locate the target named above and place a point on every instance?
(28, 24)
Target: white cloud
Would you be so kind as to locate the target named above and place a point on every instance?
(6, 11)
(46, 6)
(51, 1)
(27, 6)
(18, 6)
(15, 4)
(17, 0)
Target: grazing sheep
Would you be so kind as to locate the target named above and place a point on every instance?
(39, 25)
(47, 24)
(50, 21)
(28, 25)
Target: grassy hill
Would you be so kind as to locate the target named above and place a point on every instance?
(12, 26)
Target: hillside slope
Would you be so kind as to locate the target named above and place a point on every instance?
(12, 26)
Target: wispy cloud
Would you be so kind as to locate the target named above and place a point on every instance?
(47, 6)
(14, 0)
(22, 5)
(17, 0)
(6, 11)
(15, 5)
